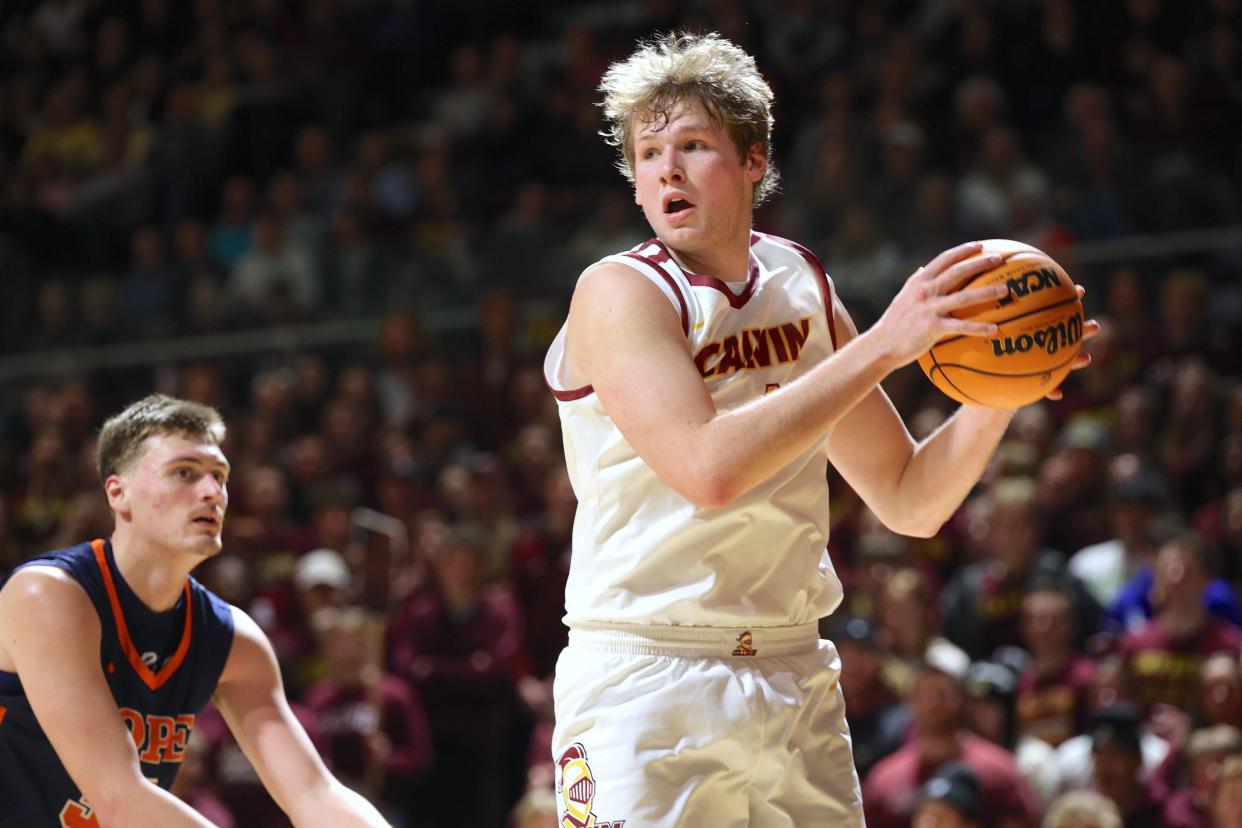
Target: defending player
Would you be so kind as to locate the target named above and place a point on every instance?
(111, 645)
(705, 378)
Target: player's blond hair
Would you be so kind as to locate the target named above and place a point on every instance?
(123, 434)
(664, 71)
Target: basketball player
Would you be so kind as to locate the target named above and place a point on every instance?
(705, 379)
(109, 649)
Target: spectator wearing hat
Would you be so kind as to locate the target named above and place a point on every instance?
(878, 721)
(1118, 759)
(1165, 655)
(1075, 762)
(891, 791)
(950, 799)
(991, 689)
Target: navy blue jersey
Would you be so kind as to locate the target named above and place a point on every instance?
(162, 668)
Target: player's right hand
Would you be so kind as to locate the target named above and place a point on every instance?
(921, 313)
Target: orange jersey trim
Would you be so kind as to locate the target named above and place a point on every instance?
(3, 710)
(154, 681)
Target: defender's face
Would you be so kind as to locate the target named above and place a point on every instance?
(689, 180)
(174, 494)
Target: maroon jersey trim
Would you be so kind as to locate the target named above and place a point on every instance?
(736, 300)
(825, 284)
(653, 263)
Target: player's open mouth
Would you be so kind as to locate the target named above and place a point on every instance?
(214, 523)
(677, 208)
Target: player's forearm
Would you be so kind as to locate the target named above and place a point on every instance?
(145, 804)
(748, 445)
(331, 803)
(946, 465)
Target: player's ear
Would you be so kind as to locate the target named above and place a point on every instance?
(117, 493)
(756, 162)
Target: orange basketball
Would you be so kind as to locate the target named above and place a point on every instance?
(1040, 333)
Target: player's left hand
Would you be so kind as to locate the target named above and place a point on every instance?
(1089, 329)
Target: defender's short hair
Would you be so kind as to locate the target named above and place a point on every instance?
(674, 67)
(122, 435)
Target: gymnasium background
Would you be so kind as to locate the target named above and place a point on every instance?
(353, 227)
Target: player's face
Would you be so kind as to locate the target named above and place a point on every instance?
(938, 815)
(690, 181)
(175, 494)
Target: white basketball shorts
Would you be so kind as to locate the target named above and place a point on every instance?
(690, 726)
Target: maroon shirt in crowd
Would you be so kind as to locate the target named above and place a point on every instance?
(1053, 708)
(237, 782)
(892, 789)
(462, 666)
(349, 715)
(1166, 670)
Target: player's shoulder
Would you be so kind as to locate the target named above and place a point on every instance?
(624, 277)
(45, 570)
(44, 595)
(771, 247)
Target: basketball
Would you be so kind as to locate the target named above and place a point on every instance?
(1040, 321)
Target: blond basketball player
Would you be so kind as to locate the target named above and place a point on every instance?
(705, 379)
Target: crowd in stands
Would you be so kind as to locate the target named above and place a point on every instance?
(1065, 652)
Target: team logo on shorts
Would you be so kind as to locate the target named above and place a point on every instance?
(575, 785)
(744, 645)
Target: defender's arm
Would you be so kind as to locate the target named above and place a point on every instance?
(51, 633)
(251, 698)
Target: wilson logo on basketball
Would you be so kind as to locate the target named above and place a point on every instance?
(575, 785)
(1050, 339)
(1032, 281)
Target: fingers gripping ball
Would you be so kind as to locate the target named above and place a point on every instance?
(1041, 326)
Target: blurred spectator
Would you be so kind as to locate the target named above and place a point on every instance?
(1113, 684)
(1135, 501)
(1220, 690)
(1186, 805)
(1118, 762)
(1226, 807)
(891, 790)
(950, 799)
(372, 722)
(1082, 809)
(230, 237)
(878, 720)
(456, 644)
(274, 279)
(982, 605)
(147, 295)
(1167, 652)
(195, 783)
(1051, 699)
(908, 623)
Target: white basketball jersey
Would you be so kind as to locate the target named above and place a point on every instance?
(644, 554)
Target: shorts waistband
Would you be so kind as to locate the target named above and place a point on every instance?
(695, 642)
